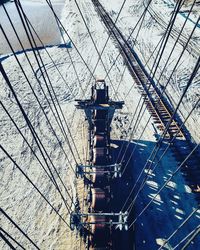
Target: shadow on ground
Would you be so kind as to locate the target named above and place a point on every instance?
(170, 208)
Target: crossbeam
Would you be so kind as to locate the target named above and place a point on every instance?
(120, 220)
(114, 168)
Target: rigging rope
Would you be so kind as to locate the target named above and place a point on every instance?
(163, 91)
(101, 59)
(95, 46)
(166, 37)
(15, 224)
(9, 236)
(33, 132)
(130, 34)
(69, 37)
(35, 95)
(180, 226)
(142, 18)
(197, 231)
(35, 136)
(25, 24)
(177, 39)
(68, 52)
(150, 85)
(33, 152)
(163, 186)
(13, 27)
(169, 144)
(138, 120)
(7, 241)
(187, 236)
(121, 8)
(62, 26)
(35, 187)
(185, 47)
(158, 143)
(60, 125)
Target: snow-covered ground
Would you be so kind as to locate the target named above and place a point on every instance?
(153, 28)
(18, 198)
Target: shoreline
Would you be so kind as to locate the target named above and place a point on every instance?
(61, 45)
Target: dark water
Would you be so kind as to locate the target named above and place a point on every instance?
(4, 1)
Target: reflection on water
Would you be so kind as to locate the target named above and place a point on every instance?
(41, 18)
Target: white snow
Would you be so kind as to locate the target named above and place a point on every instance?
(18, 198)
